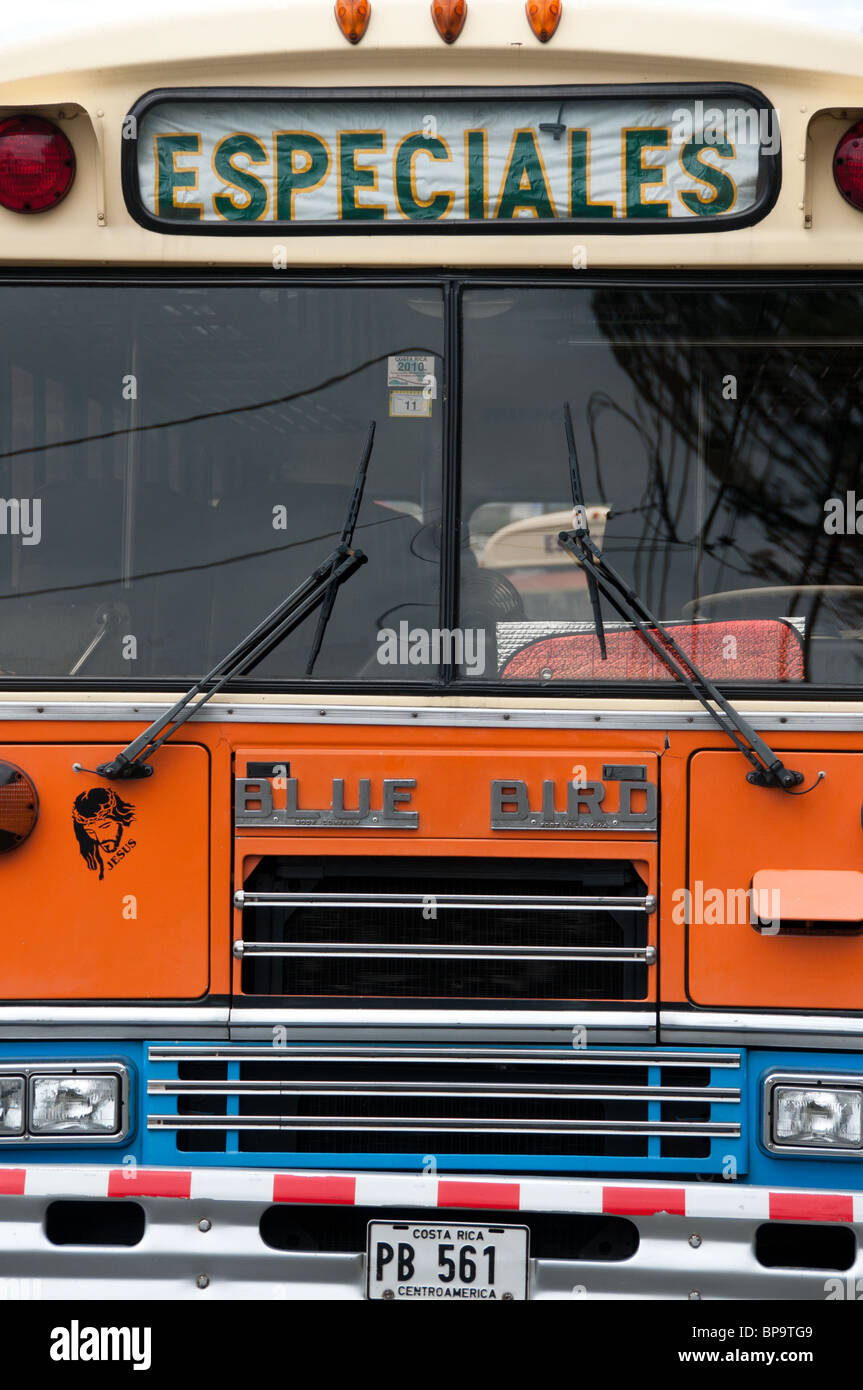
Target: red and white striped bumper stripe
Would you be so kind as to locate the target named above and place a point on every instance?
(701, 1200)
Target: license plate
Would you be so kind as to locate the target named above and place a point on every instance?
(410, 1260)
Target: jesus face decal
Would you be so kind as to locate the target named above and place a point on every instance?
(100, 819)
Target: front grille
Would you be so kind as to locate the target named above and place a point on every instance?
(421, 930)
(561, 1109)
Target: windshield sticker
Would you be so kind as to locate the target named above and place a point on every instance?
(412, 383)
(411, 371)
(410, 405)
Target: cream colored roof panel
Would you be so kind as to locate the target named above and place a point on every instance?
(90, 79)
(284, 31)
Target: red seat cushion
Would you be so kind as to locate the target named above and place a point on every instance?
(764, 649)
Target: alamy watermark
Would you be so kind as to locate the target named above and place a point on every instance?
(436, 646)
(77, 1343)
(735, 125)
(17, 1288)
(727, 907)
(844, 515)
(21, 516)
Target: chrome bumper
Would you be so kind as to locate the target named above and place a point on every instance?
(202, 1238)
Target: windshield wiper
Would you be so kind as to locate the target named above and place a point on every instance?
(768, 770)
(347, 541)
(582, 530)
(320, 587)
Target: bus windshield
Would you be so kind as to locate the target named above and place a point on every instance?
(175, 457)
(719, 436)
(176, 460)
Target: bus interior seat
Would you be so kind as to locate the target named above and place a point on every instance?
(740, 650)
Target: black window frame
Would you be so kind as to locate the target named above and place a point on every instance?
(453, 287)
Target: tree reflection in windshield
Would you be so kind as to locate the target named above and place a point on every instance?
(766, 389)
(715, 425)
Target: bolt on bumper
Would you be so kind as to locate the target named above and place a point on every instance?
(202, 1238)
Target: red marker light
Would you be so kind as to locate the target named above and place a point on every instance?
(352, 17)
(37, 164)
(19, 806)
(449, 17)
(848, 166)
(543, 16)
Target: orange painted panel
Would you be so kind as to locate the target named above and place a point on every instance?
(109, 897)
(811, 895)
(738, 831)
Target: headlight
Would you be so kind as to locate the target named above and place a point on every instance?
(807, 1116)
(74, 1104)
(11, 1104)
(63, 1102)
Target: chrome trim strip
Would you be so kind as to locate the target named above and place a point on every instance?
(471, 901)
(561, 1026)
(465, 1089)
(621, 955)
(376, 1052)
(762, 1029)
(726, 1129)
(675, 716)
(25, 1021)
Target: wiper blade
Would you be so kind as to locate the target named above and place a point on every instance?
(347, 540)
(582, 530)
(768, 770)
(108, 619)
(317, 588)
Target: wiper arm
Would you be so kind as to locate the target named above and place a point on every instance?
(582, 530)
(768, 770)
(319, 587)
(347, 540)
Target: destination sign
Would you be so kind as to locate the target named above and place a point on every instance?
(479, 161)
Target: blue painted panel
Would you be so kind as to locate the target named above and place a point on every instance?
(130, 1053)
(161, 1147)
(750, 1159)
(769, 1170)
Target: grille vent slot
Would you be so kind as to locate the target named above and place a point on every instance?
(444, 930)
(423, 1100)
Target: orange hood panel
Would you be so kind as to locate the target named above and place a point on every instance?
(740, 834)
(109, 896)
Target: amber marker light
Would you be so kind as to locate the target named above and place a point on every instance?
(352, 17)
(19, 806)
(543, 16)
(449, 17)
